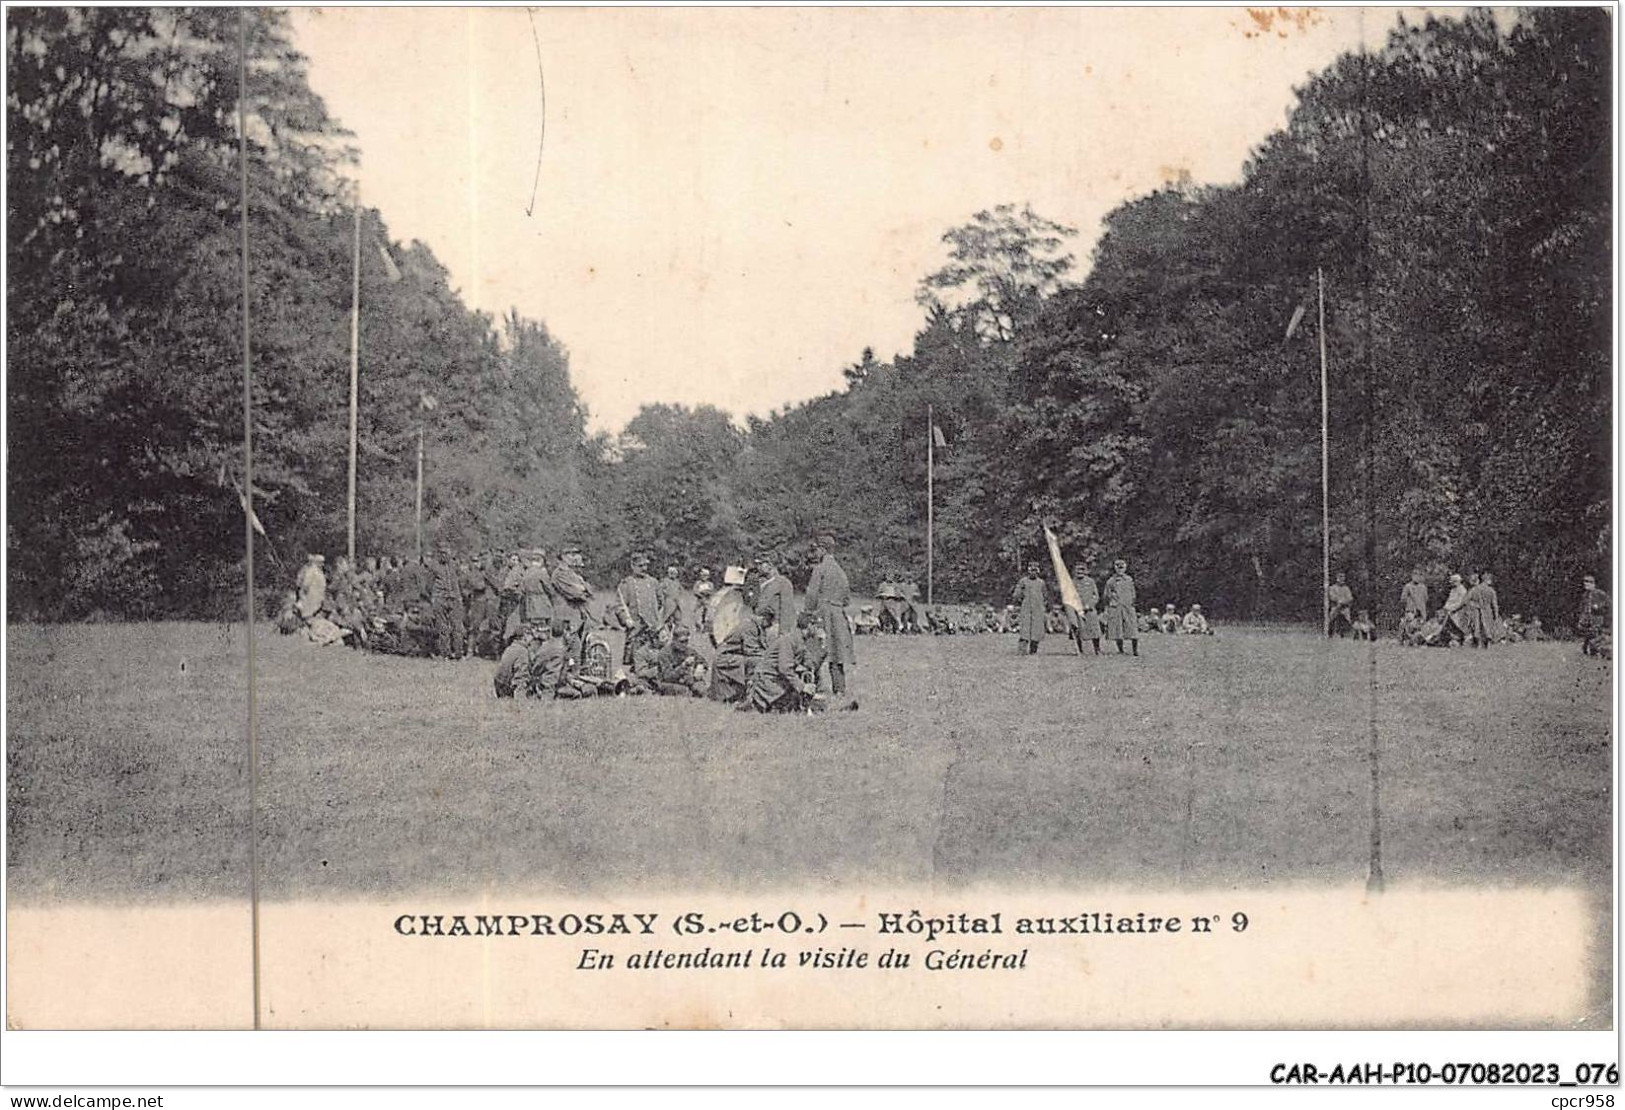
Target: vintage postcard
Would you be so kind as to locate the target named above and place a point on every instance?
(811, 518)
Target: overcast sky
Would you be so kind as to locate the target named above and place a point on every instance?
(733, 203)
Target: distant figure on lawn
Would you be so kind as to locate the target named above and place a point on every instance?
(1032, 622)
(1484, 612)
(829, 592)
(1121, 622)
(1454, 613)
(1195, 624)
(1085, 624)
(1339, 608)
(1170, 619)
(1363, 628)
(1413, 599)
(1593, 619)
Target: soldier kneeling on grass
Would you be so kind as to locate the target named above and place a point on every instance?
(531, 663)
(676, 670)
(774, 685)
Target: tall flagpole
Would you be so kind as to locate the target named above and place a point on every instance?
(420, 492)
(1325, 484)
(248, 517)
(930, 500)
(355, 367)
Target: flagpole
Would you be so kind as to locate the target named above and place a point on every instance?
(1325, 483)
(248, 518)
(355, 366)
(420, 494)
(930, 500)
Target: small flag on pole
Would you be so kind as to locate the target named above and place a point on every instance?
(1297, 318)
(1063, 577)
(253, 517)
(937, 438)
(390, 268)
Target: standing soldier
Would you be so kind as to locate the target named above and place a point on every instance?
(681, 608)
(1593, 621)
(471, 578)
(1121, 621)
(446, 605)
(1413, 599)
(735, 633)
(668, 589)
(1413, 608)
(1455, 613)
(571, 594)
(535, 590)
(775, 592)
(512, 594)
(640, 609)
(1029, 591)
(829, 592)
(1085, 624)
(1339, 607)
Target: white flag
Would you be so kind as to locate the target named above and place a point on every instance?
(390, 268)
(1297, 318)
(1063, 577)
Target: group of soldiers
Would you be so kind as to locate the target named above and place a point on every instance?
(1470, 615)
(1098, 615)
(440, 607)
(743, 642)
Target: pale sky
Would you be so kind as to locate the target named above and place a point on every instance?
(733, 203)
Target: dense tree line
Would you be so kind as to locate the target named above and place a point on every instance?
(1453, 188)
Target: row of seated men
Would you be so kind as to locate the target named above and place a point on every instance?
(442, 607)
(745, 658)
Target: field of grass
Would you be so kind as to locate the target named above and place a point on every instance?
(1237, 760)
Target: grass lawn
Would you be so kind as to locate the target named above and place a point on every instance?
(1237, 760)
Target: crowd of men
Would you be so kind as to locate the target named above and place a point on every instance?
(1470, 615)
(743, 641)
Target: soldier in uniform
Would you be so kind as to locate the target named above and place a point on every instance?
(703, 586)
(829, 592)
(446, 605)
(775, 592)
(1121, 622)
(1483, 610)
(675, 670)
(639, 611)
(737, 637)
(1085, 624)
(1592, 623)
(571, 595)
(681, 607)
(1413, 599)
(669, 587)
(774, 686)
(1339, 607)
(1029, 592)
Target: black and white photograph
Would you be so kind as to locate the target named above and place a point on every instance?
(1062, 518)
